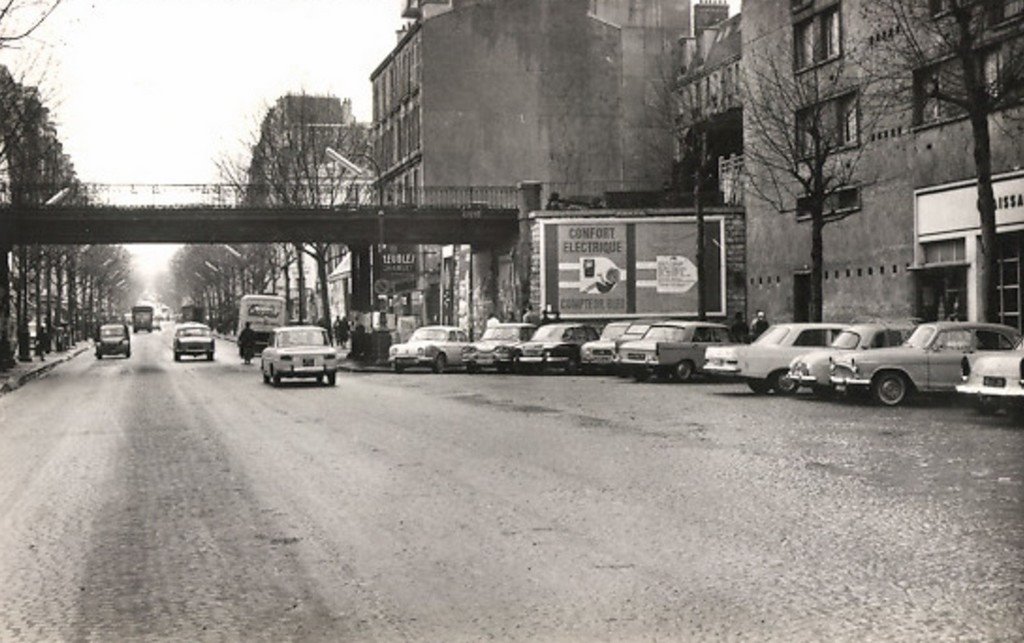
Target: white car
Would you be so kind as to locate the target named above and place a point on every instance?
(994, 381)
(812, 369)
(433, 347)
(193, 339)
(764, 365)
(299, 352)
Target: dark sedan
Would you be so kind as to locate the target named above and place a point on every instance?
(555, 345)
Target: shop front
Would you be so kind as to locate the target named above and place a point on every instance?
(948, 235)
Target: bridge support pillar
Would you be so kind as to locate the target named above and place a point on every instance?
(362, 279)
(529, 201)
(6, 354)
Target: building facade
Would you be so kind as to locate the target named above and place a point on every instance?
(482, 94)
(903, 241)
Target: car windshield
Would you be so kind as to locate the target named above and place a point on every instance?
(847, 340)
(921, 337)
(193, 332)
(311, 337)
(637, 330)
(112, 331)
(614, 331)
(545, 333)
(509, 332)
(773, 336)
(665, 334)
(429, 335)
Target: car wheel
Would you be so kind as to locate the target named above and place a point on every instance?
(209, 357)
(275, 377)
(263, 371)
(128, 355)
(759, 386)
(782, 383)
(319, 380)
(440, 363)
(572, 367)
(332, 379)
(472, 368)
(398, 367)
(684, 370)
(177, 357)
(98, 356)
(642, 375)
(890, 388)
(501, 368)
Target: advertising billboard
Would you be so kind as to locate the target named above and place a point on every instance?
(618, 267)
(399, 269)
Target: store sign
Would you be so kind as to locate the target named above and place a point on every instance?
(955, 208)
(604, 268)
(399, 268)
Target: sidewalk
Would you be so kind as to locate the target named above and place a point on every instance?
(344, 364)
(24, 372)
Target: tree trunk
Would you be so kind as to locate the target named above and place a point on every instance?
(817, 254)
(300, 264)
(321, 266)
(988, 259)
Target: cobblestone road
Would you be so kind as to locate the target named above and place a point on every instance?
(148, 500)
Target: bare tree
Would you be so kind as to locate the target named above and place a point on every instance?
(966, 58)
(805, 134)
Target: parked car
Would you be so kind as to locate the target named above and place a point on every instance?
(811, 370)
(636, 331)
(114, 339)
(433, 347)
(672, 349)
(599, 355)
(193, 339)
(764, 365)
(555, 345)
(498, 347)
(994, 380)
(299, 352)
(929, 361)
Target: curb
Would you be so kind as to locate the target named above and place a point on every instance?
(25, 378)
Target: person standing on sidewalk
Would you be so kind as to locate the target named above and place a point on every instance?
(341, 330)
(760, 325)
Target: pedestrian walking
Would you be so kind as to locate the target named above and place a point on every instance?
(341, 330)
(247, 342)
(739, 329)
(760, 325)
(359, 340)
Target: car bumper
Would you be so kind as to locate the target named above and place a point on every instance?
(304, 371)
(990, 391)
(727, 370)
(194, 350)
(543, 360)
(806, 380)
(412, 360)
(484, 359)
(841, 383)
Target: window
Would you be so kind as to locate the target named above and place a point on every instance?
(848, 120)
(818, 38)
(842, 201)
(990, 340)
(702, 334)
(826, 126)
(928, 83)
(812, 337)
(953, 340)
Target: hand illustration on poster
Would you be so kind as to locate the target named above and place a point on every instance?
(598, 274)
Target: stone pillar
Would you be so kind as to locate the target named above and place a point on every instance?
(6, 354)
(529, 201)
(362, 284)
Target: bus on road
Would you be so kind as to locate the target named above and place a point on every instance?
(264, 313)
(142, 318)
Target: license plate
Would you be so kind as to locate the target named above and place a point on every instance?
(994, 382)
(308, 361)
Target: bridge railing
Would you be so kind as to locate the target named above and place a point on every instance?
(228, 196)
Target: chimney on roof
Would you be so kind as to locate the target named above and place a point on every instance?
(707, 14)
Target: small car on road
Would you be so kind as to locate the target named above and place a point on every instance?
(556, 345)
(994, 381)
(764, 365)
(498, 347)
(672, 349)
(811, 370)
(433, 347)
(299, 352)
(193, 339)
(114, 339)
(929, 361)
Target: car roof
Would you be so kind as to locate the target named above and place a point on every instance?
(112, 326)
(192, 325)
(870, 326)
(812, 325)
(679, 323)
(512, 325)
(947, 325)
(280, 329)
(435, 327)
